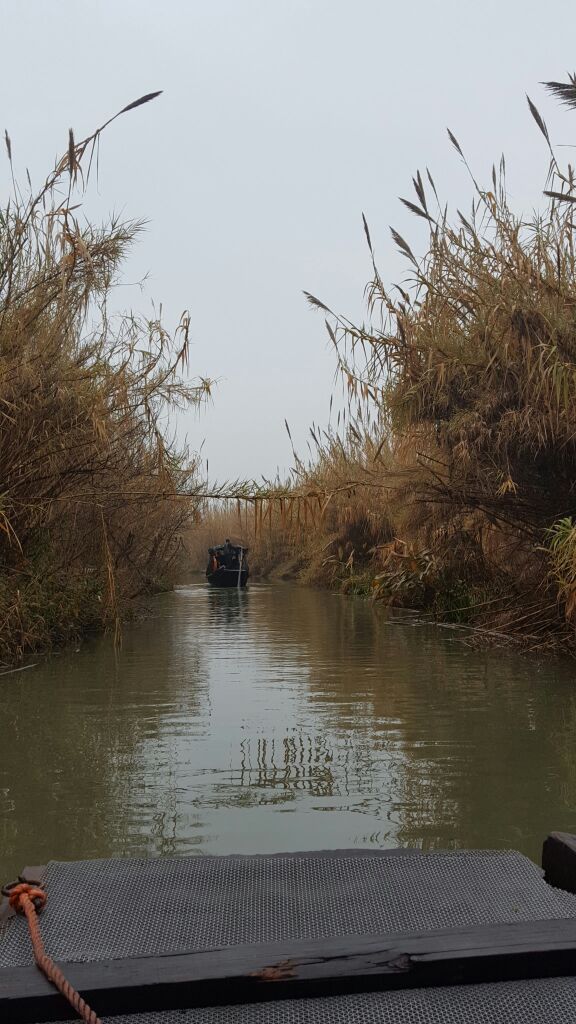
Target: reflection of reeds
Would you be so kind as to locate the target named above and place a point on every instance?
(87, 520)
(288, 764)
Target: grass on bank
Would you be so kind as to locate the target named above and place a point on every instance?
(453, 489)
(472, 372)
(94, 496)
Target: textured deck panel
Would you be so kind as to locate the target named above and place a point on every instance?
(124, 908)
(550, 1001)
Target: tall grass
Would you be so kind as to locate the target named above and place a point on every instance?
(94, 495)
(462, 458)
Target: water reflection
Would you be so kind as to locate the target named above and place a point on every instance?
(281, 718)
(291, 764)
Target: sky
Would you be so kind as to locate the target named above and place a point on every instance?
(280, 122)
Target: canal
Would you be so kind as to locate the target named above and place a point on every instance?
(282, 718)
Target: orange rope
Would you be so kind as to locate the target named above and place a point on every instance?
(29, 900)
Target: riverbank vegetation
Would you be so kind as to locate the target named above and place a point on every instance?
(94, 494)
(466, 379)
(453, 488)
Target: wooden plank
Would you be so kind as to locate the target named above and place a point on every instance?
(289, 970)
(559, 860)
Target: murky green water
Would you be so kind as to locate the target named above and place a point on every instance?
(281, 718)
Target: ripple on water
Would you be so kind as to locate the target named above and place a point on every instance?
(280, 718)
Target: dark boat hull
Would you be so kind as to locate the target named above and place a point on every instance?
(227, 577)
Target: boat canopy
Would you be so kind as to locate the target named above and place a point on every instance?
(223, 549)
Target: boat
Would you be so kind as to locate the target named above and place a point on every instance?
(363, 935)
(227, 565)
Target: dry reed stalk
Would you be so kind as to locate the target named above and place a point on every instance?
(463, 436)
(94, 496)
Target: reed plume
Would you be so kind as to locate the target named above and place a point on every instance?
(94, 493)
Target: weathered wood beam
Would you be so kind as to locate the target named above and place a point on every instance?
(272, 971)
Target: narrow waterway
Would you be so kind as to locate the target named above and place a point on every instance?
(281, 718)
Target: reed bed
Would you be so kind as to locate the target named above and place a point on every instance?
(453, 488)
(95, 495)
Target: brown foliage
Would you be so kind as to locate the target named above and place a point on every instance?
(94, 495)
(469, 373)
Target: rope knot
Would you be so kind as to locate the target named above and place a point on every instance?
(29, 898)
(19, 892)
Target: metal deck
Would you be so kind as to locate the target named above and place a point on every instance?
(103, 909)
(114, 909)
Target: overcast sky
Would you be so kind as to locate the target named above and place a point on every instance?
(280, 122)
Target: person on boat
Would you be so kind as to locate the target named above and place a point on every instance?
(228, 553)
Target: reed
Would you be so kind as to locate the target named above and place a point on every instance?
(94, 494)
(461, 459)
